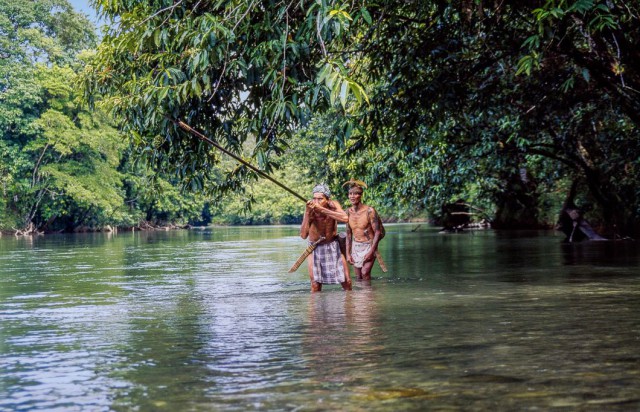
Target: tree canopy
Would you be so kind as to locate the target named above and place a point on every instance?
(63, 167)
(426, 100)
(234, 70)
(511, 95)
(505, 105)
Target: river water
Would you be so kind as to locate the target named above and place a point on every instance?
(209, 320)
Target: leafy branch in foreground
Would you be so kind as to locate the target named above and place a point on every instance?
(234, 70)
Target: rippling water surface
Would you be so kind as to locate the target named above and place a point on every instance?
(210, 320)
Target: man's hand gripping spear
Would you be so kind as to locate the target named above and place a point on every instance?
(383, 265)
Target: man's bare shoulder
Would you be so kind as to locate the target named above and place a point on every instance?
(361, 208)
(334, 205)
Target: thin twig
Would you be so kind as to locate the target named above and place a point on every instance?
(319, 31)
(35, 168)
(161, 11)
(243, 16)
(284, 50)
(618, 50)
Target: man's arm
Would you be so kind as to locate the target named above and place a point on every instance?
(306, 222)
(349, 235)
(375, 225)
(335, 212)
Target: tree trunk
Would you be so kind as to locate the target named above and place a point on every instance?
(517, 205)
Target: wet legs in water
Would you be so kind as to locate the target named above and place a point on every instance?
(364, 273)
(317, 287)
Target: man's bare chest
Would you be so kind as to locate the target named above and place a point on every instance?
(358, 219)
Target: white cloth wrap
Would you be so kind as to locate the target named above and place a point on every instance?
(358, 251)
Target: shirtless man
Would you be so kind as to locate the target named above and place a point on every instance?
(363, 233)
(326, 264)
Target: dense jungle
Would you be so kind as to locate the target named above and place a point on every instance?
(520, 108)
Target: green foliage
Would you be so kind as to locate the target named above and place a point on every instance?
(63, 167)
(69, 163)
(466, 99)
(36, 39)
(451, 118)
(42, 31)
(264, 203)
(234, 70)
(495, 102)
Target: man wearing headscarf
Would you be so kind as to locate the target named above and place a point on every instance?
(326, 264)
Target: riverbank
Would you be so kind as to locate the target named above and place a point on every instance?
(142, 226)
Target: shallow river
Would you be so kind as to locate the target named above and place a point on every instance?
(208, 320)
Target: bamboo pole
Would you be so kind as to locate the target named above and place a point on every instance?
(259, 172)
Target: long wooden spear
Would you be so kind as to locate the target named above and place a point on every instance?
(309, 249)
(204, 138)
(259, 172)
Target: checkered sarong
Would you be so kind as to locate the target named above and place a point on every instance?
(327, 263)
(358, 252)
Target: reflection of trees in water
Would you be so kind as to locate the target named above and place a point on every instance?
(611, 253)
(163, 338)
(341, 345)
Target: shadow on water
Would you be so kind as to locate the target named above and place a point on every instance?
(602, 253)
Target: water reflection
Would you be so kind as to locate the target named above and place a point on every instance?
(602, 253)
(211, 320)
(343, 332)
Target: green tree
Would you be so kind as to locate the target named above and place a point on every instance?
(508, 97)
(64, 167)
(38, 41)
(500, 100)
(68, 168)
(234, 70)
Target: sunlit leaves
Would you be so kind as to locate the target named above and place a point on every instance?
(234, 70)
(528, 63)
(98, 187)
(340, 85)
